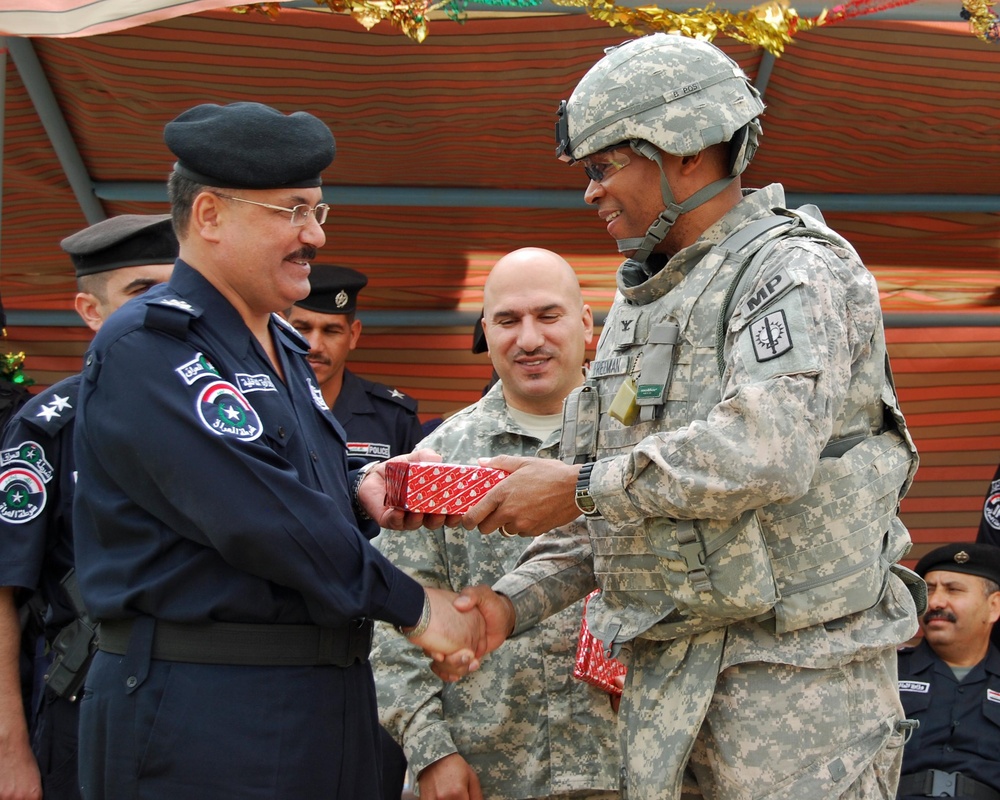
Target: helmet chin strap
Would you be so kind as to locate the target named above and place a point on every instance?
(662, 224)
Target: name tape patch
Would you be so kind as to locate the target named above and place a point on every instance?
(197, 367)
(373, 449)
(32, 454)
(255, 383)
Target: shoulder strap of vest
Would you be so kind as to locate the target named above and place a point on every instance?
(754, 241)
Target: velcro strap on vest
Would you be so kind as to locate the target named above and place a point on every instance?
(245, 644)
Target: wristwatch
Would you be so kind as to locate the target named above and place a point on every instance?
(584, 501)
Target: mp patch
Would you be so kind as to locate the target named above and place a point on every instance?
(226, 412)
(770, 336)
(22, 495)
(776, 286)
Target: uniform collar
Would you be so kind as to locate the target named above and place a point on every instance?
(924, 657)
(494, 405)
(353, 399)
(198, 290)
(756, 203)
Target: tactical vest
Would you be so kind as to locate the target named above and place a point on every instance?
(790, 565)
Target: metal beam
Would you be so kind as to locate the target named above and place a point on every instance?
(764, 71)
(925, 10)
(479, 197)
(51, 116)
(465, 319)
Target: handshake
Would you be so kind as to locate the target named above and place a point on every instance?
(462, 628)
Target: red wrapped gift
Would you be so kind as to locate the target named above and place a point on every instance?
(592, 665)
(433, 488)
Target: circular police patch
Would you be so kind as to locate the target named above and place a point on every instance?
(226, 412)
(22, 495)
(991, 510)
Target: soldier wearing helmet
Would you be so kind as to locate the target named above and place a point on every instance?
(737, 451)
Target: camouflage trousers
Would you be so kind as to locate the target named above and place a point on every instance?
(758, 730)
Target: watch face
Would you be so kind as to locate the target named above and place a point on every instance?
(585, 503)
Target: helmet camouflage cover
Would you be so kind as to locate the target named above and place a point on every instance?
(678, 93)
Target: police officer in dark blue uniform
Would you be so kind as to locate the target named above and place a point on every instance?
(380, 421)
(216, 516)
(114, 260)
(950, 682)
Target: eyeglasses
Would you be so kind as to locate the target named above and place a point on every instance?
(604, 163)
(300, 213)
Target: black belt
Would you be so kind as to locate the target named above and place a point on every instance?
(937, 783)
(247, 645)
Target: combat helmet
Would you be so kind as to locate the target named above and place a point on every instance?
(679, 94)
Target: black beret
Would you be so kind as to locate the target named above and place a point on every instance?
(250, 146)
(967, 557)
(130, 240)
(333, 290)
(479, 336)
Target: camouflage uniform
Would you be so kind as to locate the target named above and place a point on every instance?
(526, 726)
(725, 696)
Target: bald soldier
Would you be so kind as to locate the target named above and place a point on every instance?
(522, 727)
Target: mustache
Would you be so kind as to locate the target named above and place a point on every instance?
(306, 253)
(947, 616)
(541, 352)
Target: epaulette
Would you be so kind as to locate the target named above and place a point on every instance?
(290, 333)
(171, 315)
(53, 409)
(383, 392)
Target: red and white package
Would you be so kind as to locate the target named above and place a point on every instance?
(433, 488)
(592, 665)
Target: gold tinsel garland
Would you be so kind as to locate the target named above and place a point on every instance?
(11, 369)
(771, 25)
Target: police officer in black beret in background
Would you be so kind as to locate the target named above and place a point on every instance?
(217, 518)
(380, 421)
(950, 682)
(114, 260)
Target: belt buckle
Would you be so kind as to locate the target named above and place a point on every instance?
(943, 784)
